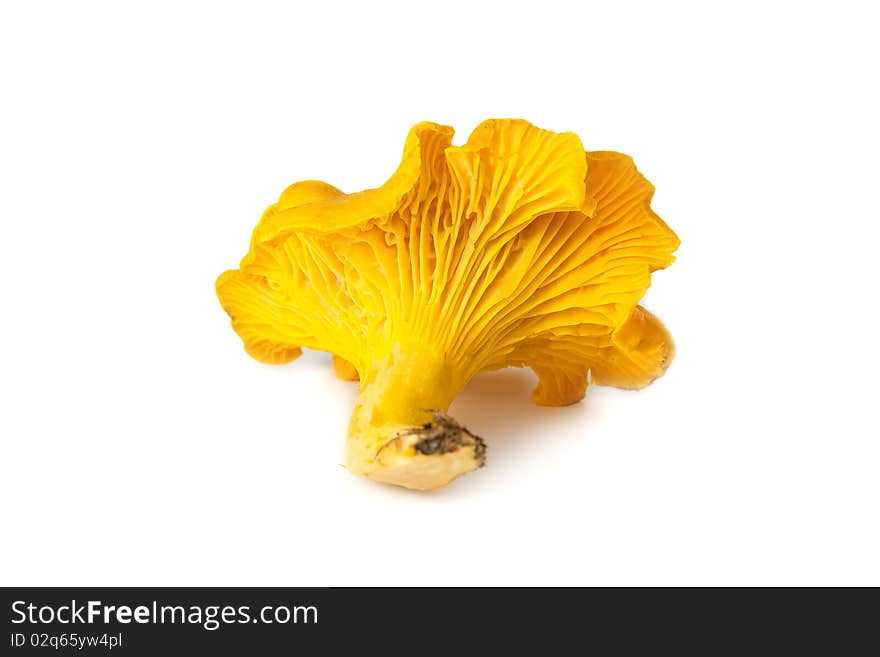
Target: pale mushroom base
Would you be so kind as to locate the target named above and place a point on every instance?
(425, 457)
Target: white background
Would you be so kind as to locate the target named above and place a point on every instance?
(140, 445)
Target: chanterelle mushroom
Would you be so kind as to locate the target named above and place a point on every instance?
(517, 248)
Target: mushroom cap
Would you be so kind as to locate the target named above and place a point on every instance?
(516, 248)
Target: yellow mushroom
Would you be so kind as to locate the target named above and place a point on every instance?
(516, 249)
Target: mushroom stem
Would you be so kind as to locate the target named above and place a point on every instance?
(399, 431)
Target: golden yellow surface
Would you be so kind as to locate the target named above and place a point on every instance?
(516, 249)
